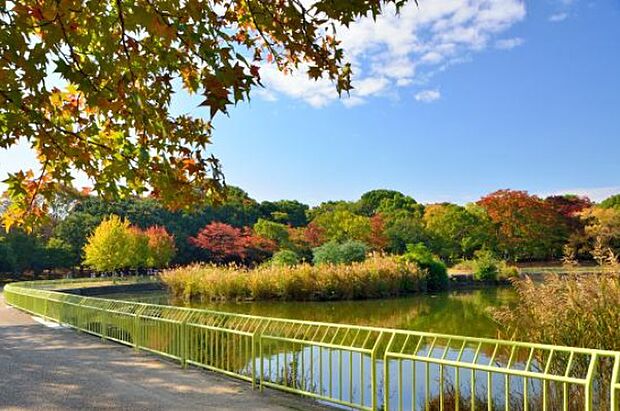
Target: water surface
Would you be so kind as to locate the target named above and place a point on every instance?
(463, 312)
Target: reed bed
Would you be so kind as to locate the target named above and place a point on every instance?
(576, 310)
(376, 277)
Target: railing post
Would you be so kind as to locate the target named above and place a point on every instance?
(262, 364)
(615, 380)
(184, 343)
(386, 375)
(253, 352)
(104, 323)
(136, 329)
(590, 382)
(373, 373)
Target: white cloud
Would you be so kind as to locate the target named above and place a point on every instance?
(400, 50)
(428, 96)
(371, 85)
(507, 44)
(558, 17)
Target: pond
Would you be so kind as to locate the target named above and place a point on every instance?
(463, 312)
(347, 377)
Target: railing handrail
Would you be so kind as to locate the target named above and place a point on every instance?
(525, 344)
(204, 344)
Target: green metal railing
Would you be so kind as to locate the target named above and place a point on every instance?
(356, 367)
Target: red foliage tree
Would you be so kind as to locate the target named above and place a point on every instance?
(377, 238)
(314, 235)
(226, 243)
(569, 205)
(527, 227)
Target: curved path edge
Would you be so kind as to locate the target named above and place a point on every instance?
(58, 368)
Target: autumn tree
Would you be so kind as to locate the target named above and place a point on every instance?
(312, 234)
(226, 243)
(602, 229)
(107, 247)
(569, 205)
(137, 252)
(161, 247)
(526, 226)
(377, 239)
(115, 64)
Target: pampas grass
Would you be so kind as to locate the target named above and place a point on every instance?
(571, 310)
(376, 277)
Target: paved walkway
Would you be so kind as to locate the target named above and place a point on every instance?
(58, 369)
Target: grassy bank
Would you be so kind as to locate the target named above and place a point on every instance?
(376, 277)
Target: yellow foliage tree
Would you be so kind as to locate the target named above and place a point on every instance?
(109, 247)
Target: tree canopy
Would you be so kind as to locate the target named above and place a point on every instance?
(509, 224)
(89, 85)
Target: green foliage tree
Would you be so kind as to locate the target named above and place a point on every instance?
(403, 227)
(437, 273)
(453, 231)
(73, 232)
(341, 224)
(285, 258)
(485, 265)
(611, 202)
(119, 60)
(340, 253)
(288, 212)
(7, 261)
(276, 232)
(330, 206)
(25, 249)
(400, 202)
(374, 201)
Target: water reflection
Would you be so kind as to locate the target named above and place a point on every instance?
(458, 312)
(332, 368)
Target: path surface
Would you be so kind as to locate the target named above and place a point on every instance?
(47, 368)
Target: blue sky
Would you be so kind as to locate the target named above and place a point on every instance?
(454, 100)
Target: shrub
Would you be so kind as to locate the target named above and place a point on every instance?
(485, 266)
(437, 273)
(285, 258)
(375, 277)
(507, 271)
(353, 251)
(335, 253)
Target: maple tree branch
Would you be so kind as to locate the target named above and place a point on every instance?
(163, 16)
(38, 186)
(269, 45)
(124, 43)
(74, 55)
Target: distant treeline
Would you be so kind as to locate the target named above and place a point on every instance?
(511, 224)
